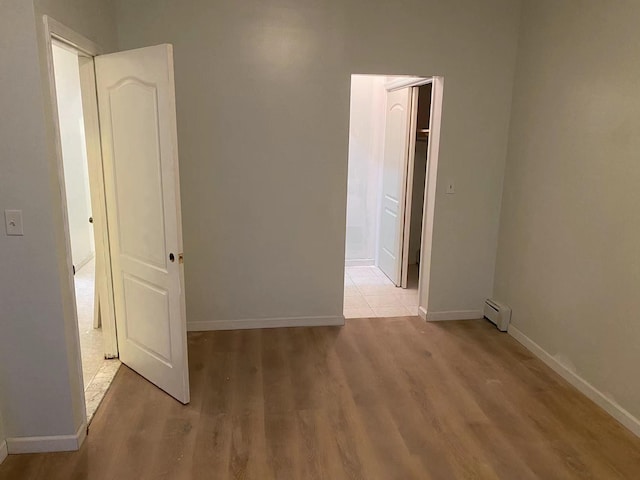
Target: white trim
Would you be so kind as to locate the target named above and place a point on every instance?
(408, 187)
(422, 313)
(428, 207)
(251, 323)
(591, 392)
(87, 259)
(360, 262)
(56, 443)
(3, 451)
(454, 315)
(104, 309)
(61, 32)
(403, 82)
(39, 444)
(55, 30)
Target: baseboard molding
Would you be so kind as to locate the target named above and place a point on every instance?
(365, 262)
(3, 451)
(422, 313)
(591, 392)
(452, 315)
(84, 262)
(246, 324)
(56, 443)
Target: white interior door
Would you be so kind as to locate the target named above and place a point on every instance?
(394, 179)
(136, 104)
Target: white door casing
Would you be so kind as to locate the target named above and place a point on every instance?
(136, 103)
(394, 179)
(408, 192)
(104, 309)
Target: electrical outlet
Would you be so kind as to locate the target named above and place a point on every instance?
(13, 222)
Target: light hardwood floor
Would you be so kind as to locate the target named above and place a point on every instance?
(377, 399)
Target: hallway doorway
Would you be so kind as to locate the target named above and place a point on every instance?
(388, 176)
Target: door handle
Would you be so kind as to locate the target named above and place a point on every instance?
(172, 257)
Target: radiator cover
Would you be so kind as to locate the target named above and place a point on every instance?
(498, 314)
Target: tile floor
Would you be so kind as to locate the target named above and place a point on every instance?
(97, 372)
(96, 389)
(369, 293)
(91, 344)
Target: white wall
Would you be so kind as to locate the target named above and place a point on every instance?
(569, 251)
(366, 139)
(41, 381)
(263, 111)
(76, 171)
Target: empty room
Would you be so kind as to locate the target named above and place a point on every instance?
(319, 239)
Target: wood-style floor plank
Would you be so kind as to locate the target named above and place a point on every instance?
(377, 399)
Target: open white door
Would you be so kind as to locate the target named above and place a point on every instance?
(394, 181)
(136, 102)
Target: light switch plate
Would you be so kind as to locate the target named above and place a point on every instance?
(13, 222)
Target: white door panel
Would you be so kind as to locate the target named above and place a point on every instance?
(138, 126)
(394, 170)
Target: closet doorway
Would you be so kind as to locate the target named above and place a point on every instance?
(391, 170)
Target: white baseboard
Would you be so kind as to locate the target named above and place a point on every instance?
(591, 392)
(56, 443)
(452, 315)
(3, 451)
(82, 263)
(364, 262)
(422, 313)
(251, 323)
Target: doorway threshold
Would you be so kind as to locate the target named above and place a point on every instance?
(97, 388)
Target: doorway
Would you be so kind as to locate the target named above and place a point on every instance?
(388, 177)
(117, 163)
(99, 365)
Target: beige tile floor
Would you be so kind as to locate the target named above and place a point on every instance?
(369, 293)
(91, 344)
(95, 391)
(97, 372)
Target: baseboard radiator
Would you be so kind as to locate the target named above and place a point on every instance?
(497, 313)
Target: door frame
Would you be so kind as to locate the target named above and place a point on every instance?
(429, 205)
(433, 152)
(408, 186)
(86, 49)
(407, 81)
